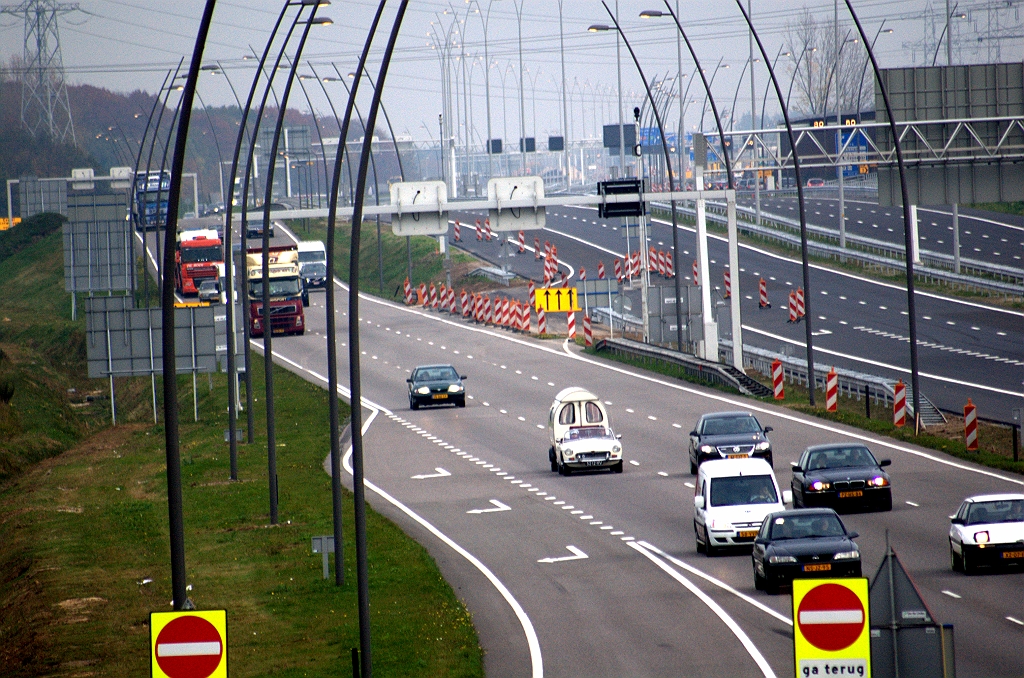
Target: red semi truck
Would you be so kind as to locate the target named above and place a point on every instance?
(199, 257)
(286, 291)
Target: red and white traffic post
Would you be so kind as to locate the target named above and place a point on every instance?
(971, 426)
(696, 280)
(670, 267)
(793, 317)
(458, 231)
(479, 231)
(542, 321)
(408, 292)
(777, 384)
(571, 320)
(600, 270)
(762, 293)
(899, 404)
(618, 270)
(433, 296)
(728, 284)
(588, 333)
(522, 242)
(536, 248)
(800, 302)
(832, 391)
(464, 300)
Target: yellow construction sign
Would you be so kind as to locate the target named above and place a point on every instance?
(5, 223)
(191, 304)
(558, 299)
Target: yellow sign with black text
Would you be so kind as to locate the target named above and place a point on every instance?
(558, 299)
(831, 629)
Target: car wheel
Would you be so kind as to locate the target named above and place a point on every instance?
(617, 468)
(886, 503)
(413, 405)
(966, 563)
(710, 549)
(696, 538)
(461, 403)
(563, 469)
(551, 458)
(759, 582)
(955, 562)
(771, 461)
(693, 468)
(770, 588)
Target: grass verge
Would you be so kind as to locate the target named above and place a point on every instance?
(994, 441)
(84, 554)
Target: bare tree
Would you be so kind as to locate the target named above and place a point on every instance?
(813, 67)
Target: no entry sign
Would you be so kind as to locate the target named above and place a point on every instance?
(831, 633)
(189, 644)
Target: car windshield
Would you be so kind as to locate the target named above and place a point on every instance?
(192, 255)
(314, 270)
(282, 287)
(589, 432)
(311, 255)
(1009, 511)
(208, 286)
(743, 490)
(436, 374)
(840, 457)
(807, 526)
(726, 425)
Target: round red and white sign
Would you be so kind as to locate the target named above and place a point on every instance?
(831, 617)
(189, 647)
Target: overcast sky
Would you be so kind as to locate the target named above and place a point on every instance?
(127, 45)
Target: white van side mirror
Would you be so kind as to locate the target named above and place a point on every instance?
(698, 502)
(787, 496)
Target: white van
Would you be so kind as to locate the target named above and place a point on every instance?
(313, 264)
(580, 434)
(730, 501)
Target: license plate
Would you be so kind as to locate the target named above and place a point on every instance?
(440, 396)
(596, 462)
(851, 494)
(1013, 554)
(824, 567)
(748, 533)
(737, 456)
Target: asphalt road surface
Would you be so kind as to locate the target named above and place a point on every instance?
(642, 601)
(966, 349)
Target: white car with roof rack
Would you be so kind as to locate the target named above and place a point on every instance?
(580, 434)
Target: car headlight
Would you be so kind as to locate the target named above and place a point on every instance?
(820, 486)
(454, 388)
(878, 481)
(719, 524)
(764, 445)
(423, 390)
(981, 537)
(847, 555)
(775, 560)
(707, 449)
(616, 449)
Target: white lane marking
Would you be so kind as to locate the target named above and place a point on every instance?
(951, 594)
(915, 505)
(576, 555)
(689, 485)
(1016, 621)
(966, 216)
(634, 462)
(498, 507)
(441, 473)
(187, 649)
(877, 363)
(751, 649)
(663, 474)
(536, 659)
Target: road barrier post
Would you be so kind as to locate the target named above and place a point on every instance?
(799, 303)
(971, 426)
(479, 231)
(618, 270)
(408, 292)
(571, 317)
(522, 242)
(777, 380)
(532, 289)
(696, 279)
(433, 296)
(670, 266)
(464, 301)
(458, 231)
(600, 270)
(536, 248)
(762, 293)
(588, 333)
(793, 317)
(542, 322)
(832, 391)
(899, 404)
(728, 285)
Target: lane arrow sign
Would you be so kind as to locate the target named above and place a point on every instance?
(578, 555)
(498, 504)
(441, 473)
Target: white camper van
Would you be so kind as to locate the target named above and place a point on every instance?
(580, 433)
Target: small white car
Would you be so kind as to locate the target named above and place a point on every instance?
(987, 530)
(580, 434)
(730, 501)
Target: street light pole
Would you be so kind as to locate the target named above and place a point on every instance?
(565, 108)
(518, 4)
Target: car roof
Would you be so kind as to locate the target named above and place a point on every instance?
(574, 393)
(723, 415)
(803, 512)
(993, 497)
(311, 246)
(726, 468)
(835, 446)
(427, 367)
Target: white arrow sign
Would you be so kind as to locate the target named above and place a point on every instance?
(579, 555)
(498, 504)
(441, 473)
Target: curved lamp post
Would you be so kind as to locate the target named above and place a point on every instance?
(671, 179)
(805, 266)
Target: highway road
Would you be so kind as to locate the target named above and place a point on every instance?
(597, 574)
(985, 236)
(966, 348)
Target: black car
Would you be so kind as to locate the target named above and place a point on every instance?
(728, 435)
(254, 228)
(841, 475)
(314, 274)
(800, 544)
(436, 385)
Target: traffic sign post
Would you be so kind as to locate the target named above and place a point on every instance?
(189, 644)
(831, 631)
